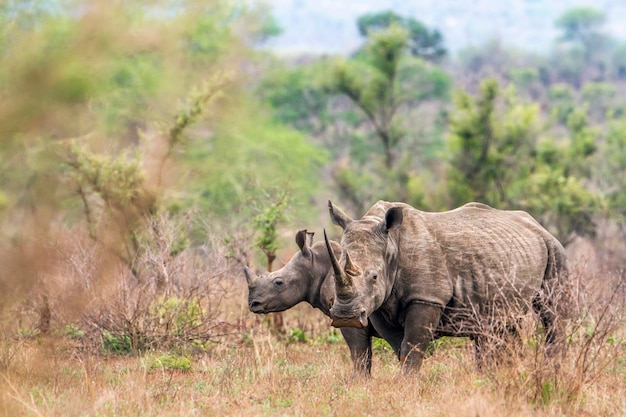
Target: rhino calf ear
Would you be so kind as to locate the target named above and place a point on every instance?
(302, 239)
(393, 218)
(309, 238)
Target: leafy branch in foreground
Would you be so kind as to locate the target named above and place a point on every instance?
(197, 102)
(119, 205)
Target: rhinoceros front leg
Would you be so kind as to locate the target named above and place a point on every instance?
(393, 335)
(419, 326)
(360, 343)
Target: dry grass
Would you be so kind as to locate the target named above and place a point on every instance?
(249, 371)
(257, 374)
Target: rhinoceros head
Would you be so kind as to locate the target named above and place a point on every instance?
(362, 274)
(285, 287)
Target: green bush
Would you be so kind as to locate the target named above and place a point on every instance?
(170, 362)
(297, 336)
(72, 332)
(178, 315)
(381, 345)
(117, 344)
(329, 338)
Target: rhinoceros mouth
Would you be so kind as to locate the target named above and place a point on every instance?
(347, 323)
(257, 307)
(358, 322)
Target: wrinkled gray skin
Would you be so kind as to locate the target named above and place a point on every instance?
(308, 277)
(426, 275)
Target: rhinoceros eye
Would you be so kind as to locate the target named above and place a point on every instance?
(278, 282)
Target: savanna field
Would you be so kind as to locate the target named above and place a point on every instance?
(149, 151)
(201, 352)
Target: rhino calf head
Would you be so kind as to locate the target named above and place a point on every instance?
(283, 288)
(362, 273)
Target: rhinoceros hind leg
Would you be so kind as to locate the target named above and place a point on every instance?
(496, 347)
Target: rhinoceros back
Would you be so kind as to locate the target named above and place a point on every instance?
(472, 257)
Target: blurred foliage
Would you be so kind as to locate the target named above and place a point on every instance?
(618, 61)
(246, 156)
(600, 97)
(297, 95)
(108, 79)
(562, 101)
(612, 167)
(498, 156)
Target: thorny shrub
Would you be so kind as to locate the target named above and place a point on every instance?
(170, 299)
(184, 315)
(594, 343)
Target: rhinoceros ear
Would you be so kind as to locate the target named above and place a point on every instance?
(337, 216)
(393, 218)
(302, 239)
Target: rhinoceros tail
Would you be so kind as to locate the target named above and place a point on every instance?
(554, 303)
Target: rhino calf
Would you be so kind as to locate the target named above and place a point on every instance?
(308, 277)
(442, 274)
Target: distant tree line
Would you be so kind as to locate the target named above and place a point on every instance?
(405, 121)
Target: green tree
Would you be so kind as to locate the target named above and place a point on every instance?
(559, 186)
(562, 101)
(372, 85)
(421, 41)
(497, 156)
(297, 95)
(583, 26)
(387, 85)
(618, 61)
(266, 224)
(488, 136)
(599, 96)
(582, 29)
(612, 169)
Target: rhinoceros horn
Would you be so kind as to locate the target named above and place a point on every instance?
(249, 277)
(351, 268)
(343, 283)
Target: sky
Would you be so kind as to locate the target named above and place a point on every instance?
(329, 26)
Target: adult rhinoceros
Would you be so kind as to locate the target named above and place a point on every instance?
(434, 274)
(308, 276)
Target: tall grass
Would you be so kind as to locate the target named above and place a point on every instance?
(269, 377)
(118, 347)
